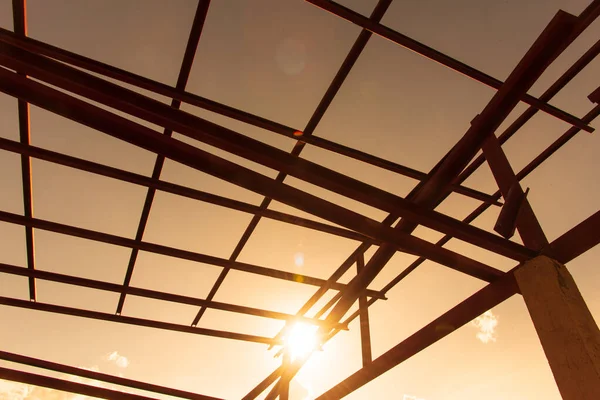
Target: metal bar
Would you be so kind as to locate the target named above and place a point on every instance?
(155, 294)
(153, 111)
(363, 310)
(527, 223)
(67, 386)
(595, 96)
(190, 98)
(556, 87)
(7, 301)
(107, 122)
(166, 250)
(126, 176)
(284, 392)
(578, 240)
(488, 297)
(184, 74)
(99, 376)
(390, 166)
(452, 63)
(20, 26)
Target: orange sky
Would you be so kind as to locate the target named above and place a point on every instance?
(276, 59)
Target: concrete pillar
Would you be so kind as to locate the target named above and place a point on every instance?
(568, 333)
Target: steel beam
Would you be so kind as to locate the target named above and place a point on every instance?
(166, 250)
(527, 223)
(158, 295)
(552, 91)
(198, 101)
(452, 63)
(363, 312)
(577, 241)
(194, 127)
(184, 74)
(99, 376)
(78, 312)
(168, 187)
(148, 139)
(20, 26)
(67, 386)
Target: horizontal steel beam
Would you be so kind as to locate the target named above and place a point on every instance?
(148, 139)
(452, 63)
(155, 294)
(198, 101)
(99, 376)
(67, 386)
(168, 187)
(228, 140)
(576, 241)
(166, 250)
(78, 312)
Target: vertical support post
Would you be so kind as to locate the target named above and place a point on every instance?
(363, 310)
(20, 28)
(565, 326)
(284, 385)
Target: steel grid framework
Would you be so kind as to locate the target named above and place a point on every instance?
(51, 67)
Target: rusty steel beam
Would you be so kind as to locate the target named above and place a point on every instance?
(78, 312)
(99, 376)
(231, 141)
(527, 223)
(577, 241)
(184, 74)
(552, 91)
(452, 63)
(158, 295)
(67, 386)
(20, 26)
(168, 187)
(166, 250)
(198, 101)
(107, 122)
(334, 86)
(363, 312)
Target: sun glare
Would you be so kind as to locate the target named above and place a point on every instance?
(301, 340)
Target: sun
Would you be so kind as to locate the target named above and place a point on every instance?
(301, 340)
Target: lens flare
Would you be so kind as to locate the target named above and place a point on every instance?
(301, 340)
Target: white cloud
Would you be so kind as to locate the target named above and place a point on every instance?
(486, 323)
(409, 397)
(120, 360)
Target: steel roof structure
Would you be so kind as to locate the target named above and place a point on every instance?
(101, 97)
